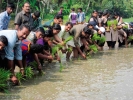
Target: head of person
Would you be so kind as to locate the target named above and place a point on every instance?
(36, 15)
(61, 8)
(56, 29)
(68, 26)
(131, 25)
(100, 13)
(73, 9)
(86, 32)
(40, 32)
(101, 30)
(116, 15)
(94, 13)
(23, 31)
(79, 9)
(91, 25)
(26, 7)
(58, 19)
(10, 7)
(3, 42)
(36, 48)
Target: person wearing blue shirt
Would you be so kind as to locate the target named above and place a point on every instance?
(5, 16)
(13, 50)
(81, 16)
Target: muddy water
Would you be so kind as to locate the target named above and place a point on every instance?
(107, 75)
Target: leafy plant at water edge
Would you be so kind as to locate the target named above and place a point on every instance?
(95, 37)
(93, 48)
(130, 38)
(4, 76)
(101, 40)
(20, 77)
(29, 72)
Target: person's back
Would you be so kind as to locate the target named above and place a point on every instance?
(73, 17)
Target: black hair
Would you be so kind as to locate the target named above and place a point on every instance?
(105, 13)
(116, 14)
(94, 11)
(11, 5)
(4, 40)
(26, 26)
(37, 13)
(48, 33)
(80, 9)
(25, 3)
(61, 7)
(100, 13)
(56, 27)
(69, 23)
(40, 29)
(58, 16)
(73, 9)
(87, 30)
(36, 48)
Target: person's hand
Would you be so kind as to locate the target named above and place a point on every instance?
(86, 47)
(83, 55)
(22, 71)
(62, 43)
(14, 79)
(50, 57)
(39, 67)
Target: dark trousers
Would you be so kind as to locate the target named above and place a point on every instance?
(111, 43)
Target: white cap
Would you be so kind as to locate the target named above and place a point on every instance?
(102, 29)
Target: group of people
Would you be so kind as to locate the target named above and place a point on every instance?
(29, 41)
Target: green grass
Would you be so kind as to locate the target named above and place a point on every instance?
(128, 19)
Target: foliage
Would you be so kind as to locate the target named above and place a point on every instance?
(93, 48)
(95, 37)
(101, 40)
(29, 72)
(4, 76)
(130, 38)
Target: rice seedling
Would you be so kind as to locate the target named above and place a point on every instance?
(68, 39)
(93, 48)
(20, 77)
(69, 49)
(130, 38)
(95, 37)
(4, 76)
(101, 40)
(29, 72)
(61, 65)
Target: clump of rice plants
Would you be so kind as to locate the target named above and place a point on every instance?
(20, 77)
(4, 76)
(95, 37)
(101, 40)
(29, 72)
(130, 38)
(93, 48)
(68, 39)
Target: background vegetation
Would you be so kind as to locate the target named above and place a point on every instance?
(49, 8)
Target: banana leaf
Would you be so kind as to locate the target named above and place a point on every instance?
(93, 48)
